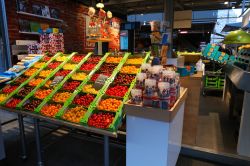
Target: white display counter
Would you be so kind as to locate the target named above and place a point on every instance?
(154, 136)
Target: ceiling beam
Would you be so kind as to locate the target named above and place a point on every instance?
(179, 5)
(238, 3)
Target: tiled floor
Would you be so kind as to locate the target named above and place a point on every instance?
(215, 131)
(62, 148)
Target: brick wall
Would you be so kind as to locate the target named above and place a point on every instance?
(73, 26)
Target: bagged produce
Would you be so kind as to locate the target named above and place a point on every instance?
(149, 92)
(136, 96)
(140, 79)
(156, 72)
(164, 94)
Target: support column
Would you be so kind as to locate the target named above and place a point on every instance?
(22, 137)
(5, 35)
(38, 143)
(2, 150)
(169, 19)
(106, 151)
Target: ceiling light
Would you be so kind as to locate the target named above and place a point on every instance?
(184, 32)
(226, 3)
(100, 5)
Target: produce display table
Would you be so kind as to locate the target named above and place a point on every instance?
(154, 136)
(57, 89)
(194, 84)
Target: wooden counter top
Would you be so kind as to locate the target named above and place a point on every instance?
(198, 75)
(156, 113)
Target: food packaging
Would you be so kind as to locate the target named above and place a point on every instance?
(140, 79)
(164, 94)
(136, 96)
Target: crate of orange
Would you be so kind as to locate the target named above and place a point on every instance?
(30, 72)
(61, 97)
(129, 69)
(42, 93)
(50, 109)
(109, 104)
(114, 59)
(74, 114)
(35, 81)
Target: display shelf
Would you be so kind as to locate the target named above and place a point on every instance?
(38, 16)
(29, 33)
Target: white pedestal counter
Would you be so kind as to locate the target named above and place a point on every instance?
(153, 135)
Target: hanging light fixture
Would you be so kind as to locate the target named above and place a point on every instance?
(100, 5)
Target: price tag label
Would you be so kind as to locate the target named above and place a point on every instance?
(100, 81)
(56, 80)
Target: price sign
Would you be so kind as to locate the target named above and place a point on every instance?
(100, 81)
(56, 80)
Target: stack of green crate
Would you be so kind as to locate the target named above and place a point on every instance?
(221, 82)
(211, 81)
(214, 80)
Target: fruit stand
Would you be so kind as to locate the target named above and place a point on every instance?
(61, 89)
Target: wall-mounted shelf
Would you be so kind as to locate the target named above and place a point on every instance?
(38, 16)
(29, 33)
